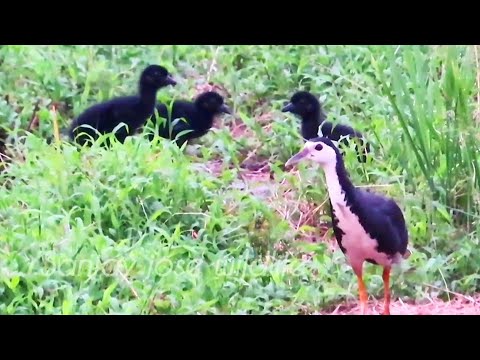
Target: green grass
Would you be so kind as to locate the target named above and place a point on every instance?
(144, 228)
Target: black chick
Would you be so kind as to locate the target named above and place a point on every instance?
(308, 108)
(133, 111)
(192, 119)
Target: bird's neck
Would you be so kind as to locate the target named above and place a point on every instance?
(317, 117)
(148, 98)
(206, 119)
(311, 123)
(340, 188)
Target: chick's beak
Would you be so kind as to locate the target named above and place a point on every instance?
(295, 159)
(171, 81)
(225, 109)
(288, 108)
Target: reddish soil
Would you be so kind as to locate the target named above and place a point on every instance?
(460, 305)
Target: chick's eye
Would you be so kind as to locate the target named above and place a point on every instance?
(318, 147)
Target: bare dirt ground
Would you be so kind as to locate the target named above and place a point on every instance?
(460, 305)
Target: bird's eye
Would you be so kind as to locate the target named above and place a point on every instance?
(318, 147)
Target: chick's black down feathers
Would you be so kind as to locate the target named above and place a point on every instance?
(133, 111)
(306, 106)
(188, 120)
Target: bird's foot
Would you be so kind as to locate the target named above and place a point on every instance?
(363, 308)
(386, 282)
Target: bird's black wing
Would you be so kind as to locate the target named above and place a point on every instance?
(174, 124)
(398, 220)
(123, 117)
(89, 124)
(385, 220)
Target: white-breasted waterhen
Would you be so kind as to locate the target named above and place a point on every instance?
(368, 227)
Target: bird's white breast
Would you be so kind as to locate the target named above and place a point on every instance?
(358, 244)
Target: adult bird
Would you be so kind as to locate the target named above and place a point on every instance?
(189, 119)
(368, 227)
(133, 111)
(306, 106)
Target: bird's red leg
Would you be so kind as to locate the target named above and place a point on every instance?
(386, 285)
(363, 294)
(362, 290)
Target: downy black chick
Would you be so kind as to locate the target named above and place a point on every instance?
(133, 111)
(306, 106)
(189, 120)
